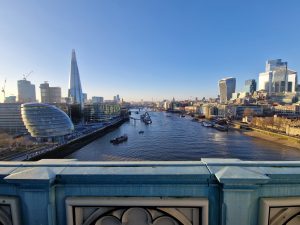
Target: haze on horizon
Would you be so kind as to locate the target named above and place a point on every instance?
(145, 49)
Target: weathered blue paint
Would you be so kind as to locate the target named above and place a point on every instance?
(233, 187)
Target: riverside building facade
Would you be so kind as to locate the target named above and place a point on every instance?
(10, 119)
(100, 112)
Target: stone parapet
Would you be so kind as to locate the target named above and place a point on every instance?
(209, 191)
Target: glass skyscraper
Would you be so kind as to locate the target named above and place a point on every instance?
(227, 88)
(75, 91)
(277, 78)
(250, 86)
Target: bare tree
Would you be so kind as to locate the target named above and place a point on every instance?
(248, 112)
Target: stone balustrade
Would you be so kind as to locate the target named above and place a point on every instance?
(207, 192)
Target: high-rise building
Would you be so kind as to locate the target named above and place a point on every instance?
(227, 88)
(75, 91)
(250, 86)
(26, 91)
(277, 78)
(117, 99)
(50, 94)
(265, 82)
(292, 82)
(96, 99)
(84, 97)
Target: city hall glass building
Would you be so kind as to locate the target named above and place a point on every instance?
(45, 121)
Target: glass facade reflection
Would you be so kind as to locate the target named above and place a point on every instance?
(10, 118)
(227, 88)
(42, 120)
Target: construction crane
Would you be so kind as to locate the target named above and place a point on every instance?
(3, 90)
(27, 75)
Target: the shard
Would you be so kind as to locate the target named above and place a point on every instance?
(75, 91)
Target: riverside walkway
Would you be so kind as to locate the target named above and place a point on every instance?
(209, 192)
(77, 136)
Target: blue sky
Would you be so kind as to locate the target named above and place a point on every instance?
(146, 49)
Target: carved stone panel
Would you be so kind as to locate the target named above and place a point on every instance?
(9, 213)
(278, 211)
(136, 211)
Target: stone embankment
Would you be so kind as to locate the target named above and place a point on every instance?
(274, 137)
(72, 146)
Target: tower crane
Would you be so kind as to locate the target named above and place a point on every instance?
(3, 90)
(27, 75)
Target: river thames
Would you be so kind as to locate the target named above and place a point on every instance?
(171, 137)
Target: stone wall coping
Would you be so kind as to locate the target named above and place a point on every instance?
(226, 171)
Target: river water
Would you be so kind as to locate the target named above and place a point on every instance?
(171, 137)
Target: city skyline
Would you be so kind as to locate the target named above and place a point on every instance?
(121, 48)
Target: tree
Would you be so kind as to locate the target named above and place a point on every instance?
(248, 112)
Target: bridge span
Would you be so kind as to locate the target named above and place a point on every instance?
(207, 192)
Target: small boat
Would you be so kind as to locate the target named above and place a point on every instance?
(137, 112)
(119, 140)
(221, 127)
(207, 124)
(146, 118)
(141, 132)
(182, 115)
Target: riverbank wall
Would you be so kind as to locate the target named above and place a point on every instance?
(74, 145)
(274, 137)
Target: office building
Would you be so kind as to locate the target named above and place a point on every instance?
(99, 112)
(84, 97)
(277, 78)
(250, 86)
(50, 94)
(227, 88)
(117, 99)
(10, 118)
(96, 99)
(75, 91)
(26, 91)
(10, 99)
(292, 82)
(46, 121)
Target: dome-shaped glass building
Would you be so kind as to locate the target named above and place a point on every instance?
(45, 121)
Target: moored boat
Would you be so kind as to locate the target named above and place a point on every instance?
(146, 118)
(221, 127)
(207, 124)
(119, 140)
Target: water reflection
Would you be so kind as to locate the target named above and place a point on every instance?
(170, 137)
